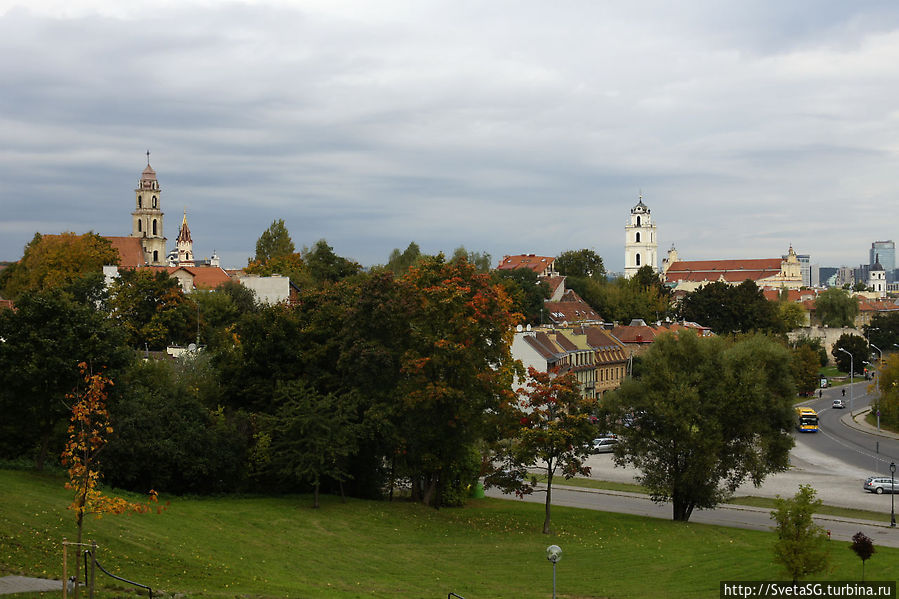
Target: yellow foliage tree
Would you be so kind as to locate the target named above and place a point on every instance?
(88, 433)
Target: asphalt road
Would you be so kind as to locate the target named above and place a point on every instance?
(862, 450)
(835, 461)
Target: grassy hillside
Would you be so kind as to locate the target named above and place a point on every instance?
(281, 547)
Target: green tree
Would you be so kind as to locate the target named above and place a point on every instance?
(555, 431)
(801, 547)
(883, 330)
(311, 436)
(45, 337)
(151, 309)
(326, 266)
(582, 263)
(708, 414)
(526, 291)
(888, 385)
(863, 547)
(274, 242)
(53, 261)
(791, 315)
(399, 262)
(481, 261)
(836, 308)
(816, 346)
(857, 347)
(170, 431)
(729, 309)
(220, 310)
(806, 366)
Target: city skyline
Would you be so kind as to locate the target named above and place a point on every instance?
(507, 128)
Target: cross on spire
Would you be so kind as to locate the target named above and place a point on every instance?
(148, 157)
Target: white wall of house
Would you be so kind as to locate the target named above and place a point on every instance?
(269, 290)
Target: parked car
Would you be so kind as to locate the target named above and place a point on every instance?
(605, 444)
(839, 404)
(879, 484)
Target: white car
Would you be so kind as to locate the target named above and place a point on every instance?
(839, 404)
(605, 444)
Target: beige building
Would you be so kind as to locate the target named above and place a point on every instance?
(689, 275)
(146, 220)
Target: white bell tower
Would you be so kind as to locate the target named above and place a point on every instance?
(641, 246)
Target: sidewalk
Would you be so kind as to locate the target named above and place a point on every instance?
(857, 421)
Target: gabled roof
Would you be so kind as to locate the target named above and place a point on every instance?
(727, 270)
(7, 304)
(203, 277)
(607, 349)
(131, 252)
(536, 263)
(544, 346)
(554, 284)
(570, 309)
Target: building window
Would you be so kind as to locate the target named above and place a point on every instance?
(637, 256)
(638, 237)
(140, 226)
(140, 202)
(155, 255)
(638, 222)
(154, 201)
(154, 231)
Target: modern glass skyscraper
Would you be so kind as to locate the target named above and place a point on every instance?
(885, 253)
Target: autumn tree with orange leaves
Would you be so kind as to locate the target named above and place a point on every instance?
(456, 371)
(554, 432)
(88, 432)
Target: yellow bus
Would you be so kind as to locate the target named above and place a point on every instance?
(807, 420)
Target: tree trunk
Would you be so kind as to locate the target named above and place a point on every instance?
(342, 495)
(315, 494)
(683, 509)
(549, 500)
(429, 492)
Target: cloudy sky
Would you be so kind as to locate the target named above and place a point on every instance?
(504, 126)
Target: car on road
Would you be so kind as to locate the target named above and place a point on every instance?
(839, 404)
(605, 444)
(879, 484)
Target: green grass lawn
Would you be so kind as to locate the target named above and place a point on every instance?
(281, 547)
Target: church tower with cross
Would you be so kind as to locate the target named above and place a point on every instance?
(641, 246)
(146, 220)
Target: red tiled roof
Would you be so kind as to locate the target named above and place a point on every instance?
(536, 263)
(730, 270)
(204, 277)
(131, 252)
(554, 283)
(634, 334)
(7, 304)
(607, 349)
(570, 309)
(543, 345)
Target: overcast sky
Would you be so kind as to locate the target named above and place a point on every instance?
(504, 126)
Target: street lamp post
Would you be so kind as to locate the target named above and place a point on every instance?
(851, 372)
(892, 494)
(879, 360)
(554, 554)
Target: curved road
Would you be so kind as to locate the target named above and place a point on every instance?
(861, 450)
(835, 461)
